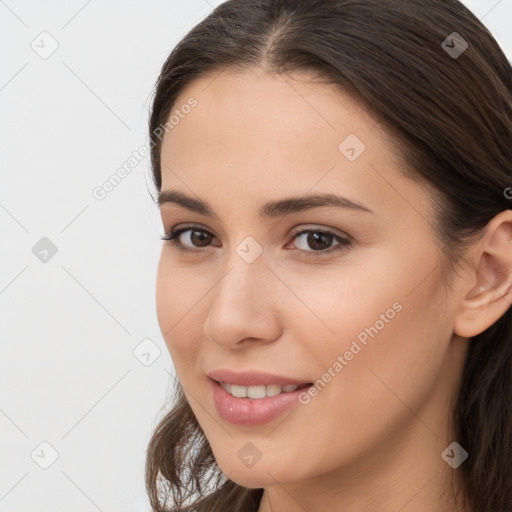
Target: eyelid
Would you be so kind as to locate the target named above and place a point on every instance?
(191, 226)
(315, 227)
(296, 230)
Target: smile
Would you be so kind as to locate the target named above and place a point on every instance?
(260, 391)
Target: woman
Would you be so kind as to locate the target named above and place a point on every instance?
(335, 287)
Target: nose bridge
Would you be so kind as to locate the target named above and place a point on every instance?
(242, 282)
(242, 305)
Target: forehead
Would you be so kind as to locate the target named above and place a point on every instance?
(254, 106)
(258, 134)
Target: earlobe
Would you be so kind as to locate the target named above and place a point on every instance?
(489, 281)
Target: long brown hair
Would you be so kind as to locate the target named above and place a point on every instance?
(451, 119)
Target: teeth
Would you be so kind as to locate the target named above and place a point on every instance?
(256, 392)
(273, 389)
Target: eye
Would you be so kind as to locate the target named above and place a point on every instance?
(197, 235)
(319, 240)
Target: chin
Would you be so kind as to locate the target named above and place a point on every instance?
(247, 478)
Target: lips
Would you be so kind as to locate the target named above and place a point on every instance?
(251, 412)
(253, 378)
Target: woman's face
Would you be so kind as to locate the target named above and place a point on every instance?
(370, 319)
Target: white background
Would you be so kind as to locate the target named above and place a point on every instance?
(69, 326)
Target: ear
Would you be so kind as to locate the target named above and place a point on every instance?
(488, 293)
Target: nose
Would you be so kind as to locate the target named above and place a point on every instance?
(245, 306)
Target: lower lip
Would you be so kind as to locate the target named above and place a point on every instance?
(249, 411)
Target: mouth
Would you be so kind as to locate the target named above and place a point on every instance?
(260, 391)
(251, 406)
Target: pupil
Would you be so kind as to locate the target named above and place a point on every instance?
(314, 237)
(202, 237)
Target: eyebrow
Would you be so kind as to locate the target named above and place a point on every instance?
(270, 209)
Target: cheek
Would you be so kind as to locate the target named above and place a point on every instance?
(166, 295)
(385, 333)
(369, 396)
(177, 300)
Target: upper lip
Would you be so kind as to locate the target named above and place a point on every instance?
(252, 378)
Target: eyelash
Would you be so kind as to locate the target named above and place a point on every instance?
(172, 239)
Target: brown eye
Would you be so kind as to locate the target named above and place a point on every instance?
(197, 238)
(320, 241)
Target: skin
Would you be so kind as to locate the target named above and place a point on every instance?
(372, 438)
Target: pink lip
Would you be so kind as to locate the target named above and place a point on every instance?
(249, 411)
(252, 378)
